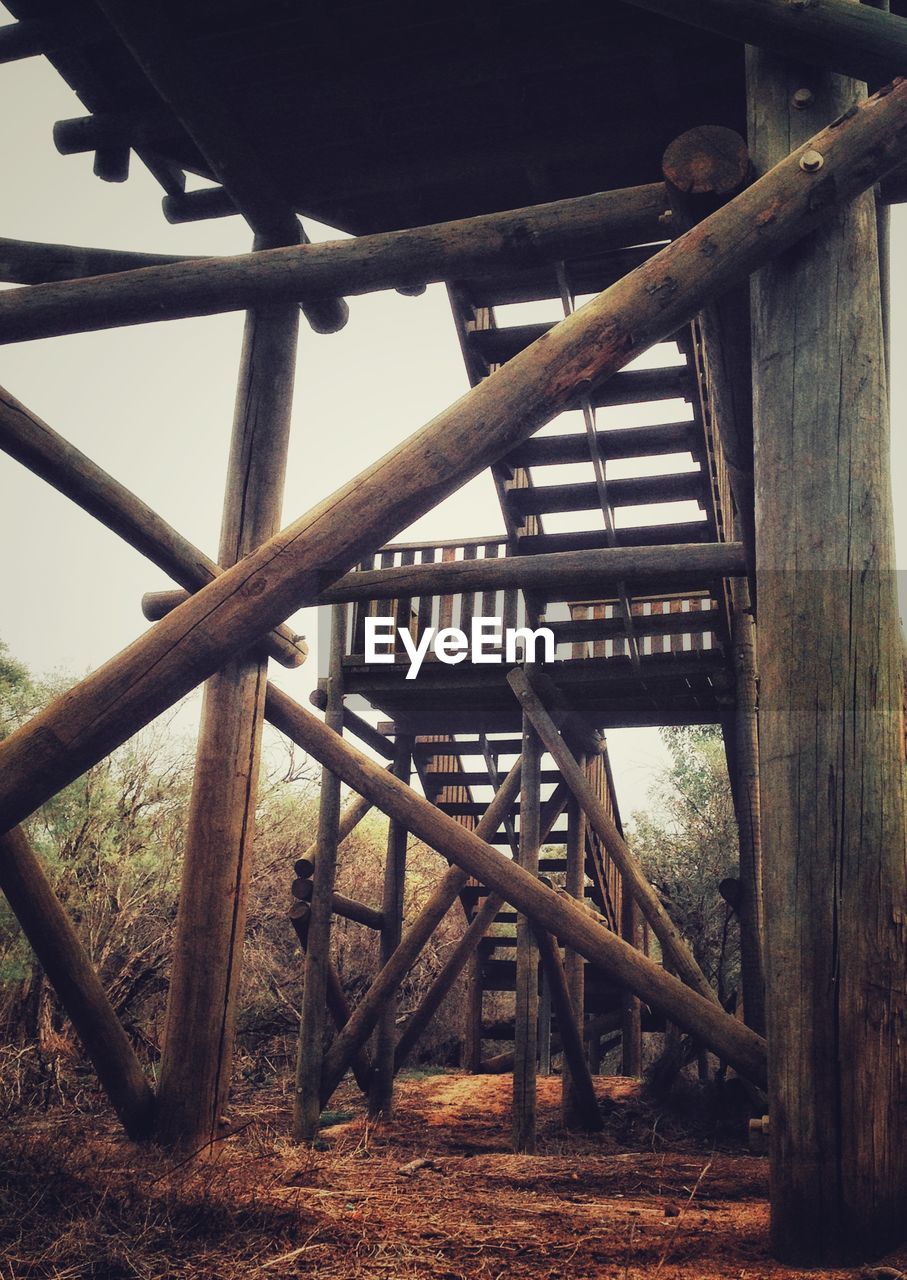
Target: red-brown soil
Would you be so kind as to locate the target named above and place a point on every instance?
(658, 1194)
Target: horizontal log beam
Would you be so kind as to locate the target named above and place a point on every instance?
(25, 437)
(349, 908)
(294, 566)
(546, 232)
(358, 727)
(552, 911)
(854, 39)
(559, 575)
(32, 262)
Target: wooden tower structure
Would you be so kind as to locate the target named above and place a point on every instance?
(716, 176)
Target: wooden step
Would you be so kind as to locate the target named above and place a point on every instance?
(650, 535)
(468, 747)
(477, 778)
(632, 442)
(633, 491)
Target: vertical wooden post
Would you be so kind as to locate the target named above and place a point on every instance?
(472, 1014)
(747, 805)
(574, 964)
(525, 1049)
(829, 714)
(310, 1051)
(630, 1009)
(198, 1047)
(381, 1093)
(545, 1009)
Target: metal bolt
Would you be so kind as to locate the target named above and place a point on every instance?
(811, 161)
(802, 98)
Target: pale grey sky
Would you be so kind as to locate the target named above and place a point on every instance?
(153, 405)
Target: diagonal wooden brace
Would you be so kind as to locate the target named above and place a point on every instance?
(582, 351)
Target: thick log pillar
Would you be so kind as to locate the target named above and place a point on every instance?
(381, 1092)
(310, 1052)
(830, 713)
(525, 1048)
(198, 1047)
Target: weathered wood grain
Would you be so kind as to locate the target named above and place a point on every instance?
(293, 567)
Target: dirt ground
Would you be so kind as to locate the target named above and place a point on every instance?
(434, 1193)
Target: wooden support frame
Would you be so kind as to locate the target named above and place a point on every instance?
(726, 1037)
(540, 233)
(830, 713)
(164, 55)
(584, 1112)
(503, 410)
(350, 908)
(337, 1003)
(675, 948)
(446, 892)
(381, 1091)
(310, 1048)
(197, 1061)
(558, 575)
(465, 948)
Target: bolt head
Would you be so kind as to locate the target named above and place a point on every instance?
(811, 161)
(802, 98)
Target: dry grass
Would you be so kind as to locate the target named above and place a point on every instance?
(77, 1200)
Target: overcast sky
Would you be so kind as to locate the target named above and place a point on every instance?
(153, 405)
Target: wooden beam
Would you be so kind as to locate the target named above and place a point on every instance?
(197, 1060)
(554, 911)
(540, 233)
(837, 35)
(341, 905)
(559, 575)
(464, 950)
(704, 168)
(53, 939)
(584, 1112)
(163, 51)
(830, 709)
(358, 727)
(673, 945)
(292, 568)
(350, 817)
(25, 437)
(337, 1003)
(526, 997)
(747, 805)
(381, 1092)
(30, 262)
(397, 965)
(574, 965)
(310, 1045)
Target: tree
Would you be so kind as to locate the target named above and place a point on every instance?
(689, 845)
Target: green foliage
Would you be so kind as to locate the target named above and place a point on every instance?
(689, 844)
(112, 844)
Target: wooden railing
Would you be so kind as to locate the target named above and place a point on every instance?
(582, 629)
